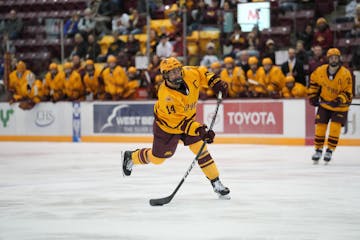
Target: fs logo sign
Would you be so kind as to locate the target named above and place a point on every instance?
(44, 118)
(5, 116)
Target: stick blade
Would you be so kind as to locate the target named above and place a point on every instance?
(160, 201)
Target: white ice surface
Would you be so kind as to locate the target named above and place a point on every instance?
(61, 191)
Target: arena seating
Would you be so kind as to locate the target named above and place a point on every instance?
(35, 42)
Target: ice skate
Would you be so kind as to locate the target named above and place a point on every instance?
(220, 189)
(327, 156)
(316, 156)
(127, 163)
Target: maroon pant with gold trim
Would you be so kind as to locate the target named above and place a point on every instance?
(164, 146)
(323, 116)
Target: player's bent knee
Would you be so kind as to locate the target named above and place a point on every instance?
(156, 160)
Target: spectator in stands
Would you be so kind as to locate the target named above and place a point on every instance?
(54, 83)
(74, 88)
(227, 48)
(141, 6)
(269, 51)
(176, 26)
(355, 60)
(210, 56)
(116, 46)
(227, 19)
(154, 40)
(197, 16)
(212, 13)
(103, 18)
(136, 22)
(257, 36)
(71, 26)
(301, 53)
(115, 79)
(80, 46)
(288, 5)
(164, 48)
(293, 89)
(13, 26)
(2, 70)
(238, 40)
(317, 59)
(323, 35)
(355, 32)
(242, 60)
(235, 78)
(307, 36)
(124, 60)
(6, 45)
(86, 23)
(154, 67)
(93, 49)
(106, 8)
(94, 85)
(132, 46)
(121, 23)
(294, 67)
(253, 42)
(118, 5)
(178, 46)
(77, 66)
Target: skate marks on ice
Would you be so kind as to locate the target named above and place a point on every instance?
(76, 191)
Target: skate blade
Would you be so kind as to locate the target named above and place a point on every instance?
(326, 163)
(315, 162)
(224, 197)
(122, 163)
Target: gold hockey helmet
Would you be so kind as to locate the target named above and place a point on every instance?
(228, 60)
(253, 60)
(20, 66)
(168, 64)
(333, 52)
(267, 61)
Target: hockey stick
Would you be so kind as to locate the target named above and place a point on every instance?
(166, 200)
(343, 105)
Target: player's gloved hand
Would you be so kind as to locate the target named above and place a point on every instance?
(314, 101)
(335, 103)
(221, 86)
(206, 135)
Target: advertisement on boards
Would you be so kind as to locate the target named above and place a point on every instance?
(123, 118)
(7, 118)
(246, 117)
(76, 122)
(44, 119)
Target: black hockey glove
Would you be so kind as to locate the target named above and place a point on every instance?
(221, 86)
(206, 135)
(335, 103)
(314, 101)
